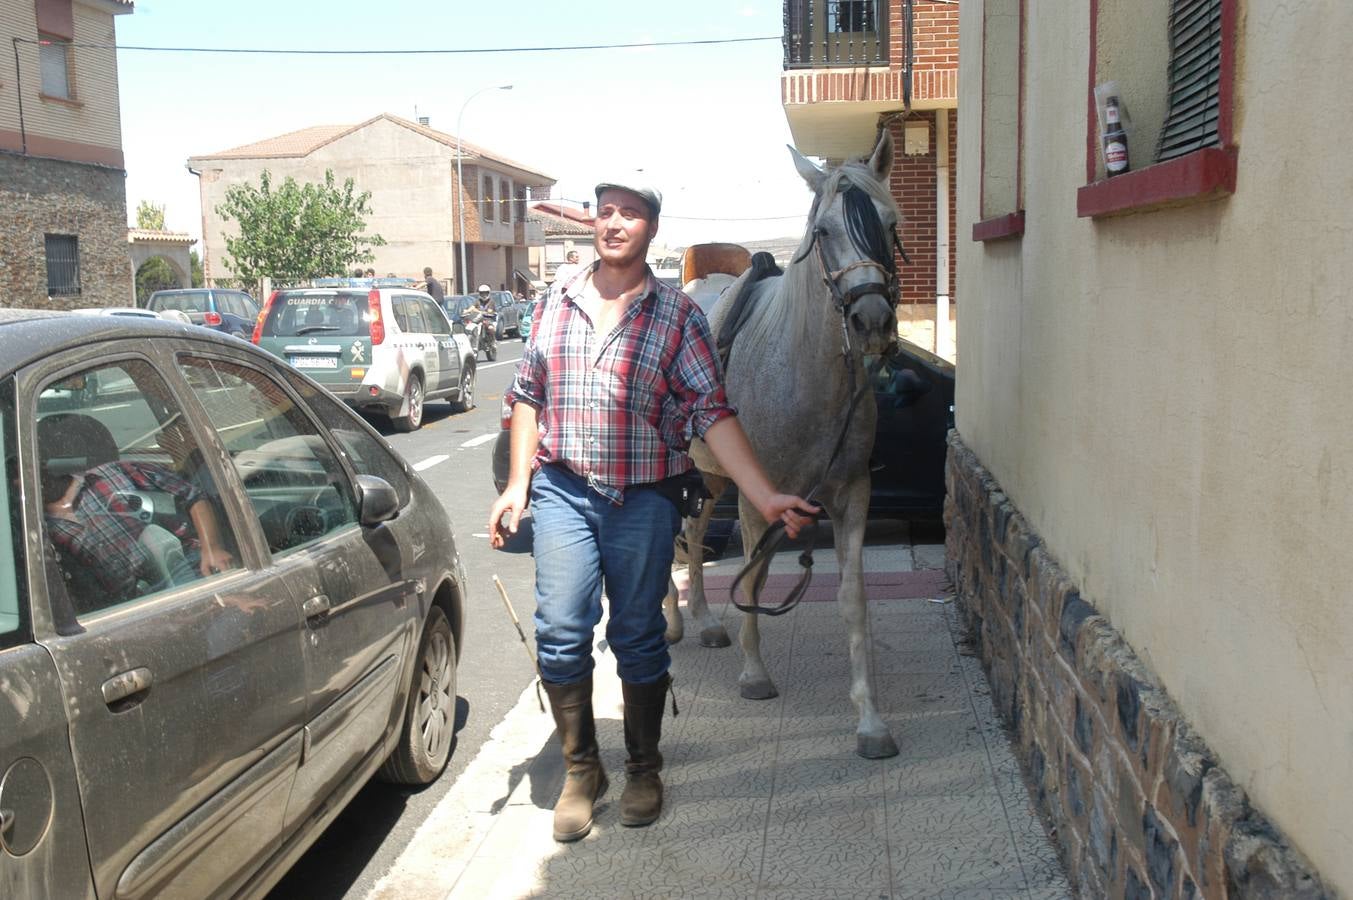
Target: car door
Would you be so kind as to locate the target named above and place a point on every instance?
(42, 840)
(448, 354)
(359, 623)
(184, 692)
(421, 337)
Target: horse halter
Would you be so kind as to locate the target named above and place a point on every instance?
(863, 226)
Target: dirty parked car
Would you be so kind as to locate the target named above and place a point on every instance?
(229, 312)
(380, 350)
(225, 604)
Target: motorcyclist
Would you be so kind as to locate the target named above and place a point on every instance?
(485, 314)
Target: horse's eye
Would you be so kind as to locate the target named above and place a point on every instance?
(821, 231)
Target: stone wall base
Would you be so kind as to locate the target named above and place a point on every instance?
(49, 196)
(1139, 805)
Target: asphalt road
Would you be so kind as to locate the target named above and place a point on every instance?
(452, 452)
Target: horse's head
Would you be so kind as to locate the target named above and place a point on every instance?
(852, 232)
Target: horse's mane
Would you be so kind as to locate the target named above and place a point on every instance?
(788, 308)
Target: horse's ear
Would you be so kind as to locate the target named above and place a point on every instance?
(810, 172)
(881, 163)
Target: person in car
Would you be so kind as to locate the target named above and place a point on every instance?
(90, 521)
(617, 379)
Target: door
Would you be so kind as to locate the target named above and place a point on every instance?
(359, 623)
(418, 338)
(180, 657)
(42, 840)
(448, 354)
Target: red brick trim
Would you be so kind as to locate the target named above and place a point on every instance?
(1207, 173)
(1203, 174)
(71, 151)
(1009, 225)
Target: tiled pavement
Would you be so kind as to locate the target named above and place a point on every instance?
(768, 798)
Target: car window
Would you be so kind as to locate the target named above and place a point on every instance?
(318, 314)
(295, 483)
(183, 301)
(433, 317)
(12, 607)
(248, 308)
(129, 506)
(230, 304)
(401, 311)
(414, 310)
(366, 454)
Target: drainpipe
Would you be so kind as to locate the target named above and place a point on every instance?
(206, 264)
(941, 225)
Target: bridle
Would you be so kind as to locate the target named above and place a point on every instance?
(863, 226)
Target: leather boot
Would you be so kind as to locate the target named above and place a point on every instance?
(641, 801)
(586, 779)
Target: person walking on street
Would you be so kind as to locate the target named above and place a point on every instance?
(434, 287)
(570, 268)
(620, 375)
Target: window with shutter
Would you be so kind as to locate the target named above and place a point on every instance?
(1195, 78)
(54, 63)
(1174, 65)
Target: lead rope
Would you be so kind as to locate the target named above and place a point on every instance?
(774, 536)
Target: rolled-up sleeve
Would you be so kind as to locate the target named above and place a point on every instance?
(697, 380)
(528, 385)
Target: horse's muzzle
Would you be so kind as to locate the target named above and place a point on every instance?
(874, 322)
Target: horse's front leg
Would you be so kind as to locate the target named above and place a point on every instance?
(754, 683)
(872, 738)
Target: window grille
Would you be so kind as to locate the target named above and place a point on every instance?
(488, 198)
(63, 264)
(1195, 73)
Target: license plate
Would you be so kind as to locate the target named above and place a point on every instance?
(315, 362)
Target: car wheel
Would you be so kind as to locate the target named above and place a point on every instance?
(465, 399)
(413, 401)
(430, 711)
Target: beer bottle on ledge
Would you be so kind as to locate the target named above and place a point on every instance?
(1115, 140)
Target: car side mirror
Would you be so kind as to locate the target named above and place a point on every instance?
(377, 500)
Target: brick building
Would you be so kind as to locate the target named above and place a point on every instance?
(63, 203)
(850, 68)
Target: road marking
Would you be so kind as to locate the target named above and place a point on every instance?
(494, 365)
(430, 462)
(482, 439)
(113, 406)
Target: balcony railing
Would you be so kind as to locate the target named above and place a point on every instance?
(825, 33)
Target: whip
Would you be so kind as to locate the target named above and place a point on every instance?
(516, 623)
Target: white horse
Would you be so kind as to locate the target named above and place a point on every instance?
(789, 377)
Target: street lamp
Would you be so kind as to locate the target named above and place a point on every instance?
(460, 179)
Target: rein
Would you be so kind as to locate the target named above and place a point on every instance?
(863, 227)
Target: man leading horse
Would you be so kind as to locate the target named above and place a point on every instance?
(620, 375)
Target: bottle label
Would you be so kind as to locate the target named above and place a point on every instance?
(1111, 114)
(1115, 156)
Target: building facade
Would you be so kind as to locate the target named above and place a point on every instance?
(1148, 512)
(852, 67)
(63, 203)
(416, 201)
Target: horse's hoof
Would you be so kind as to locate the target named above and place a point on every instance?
(761, 689)
(715, 637)
(879, 746)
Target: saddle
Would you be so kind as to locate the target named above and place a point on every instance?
(743, 302)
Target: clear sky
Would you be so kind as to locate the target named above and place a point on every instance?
(704, 122)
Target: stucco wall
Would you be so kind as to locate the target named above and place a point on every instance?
(1167, 398)
(94, 118)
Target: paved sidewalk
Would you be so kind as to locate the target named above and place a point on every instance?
(767, 799)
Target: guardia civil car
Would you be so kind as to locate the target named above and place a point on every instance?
(382, 350)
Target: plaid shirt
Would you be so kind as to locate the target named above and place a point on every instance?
(621, 409)
(107, 537)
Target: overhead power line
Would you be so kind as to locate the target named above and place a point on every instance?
(407, 51)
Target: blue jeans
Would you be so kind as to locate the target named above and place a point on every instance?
(582, 542)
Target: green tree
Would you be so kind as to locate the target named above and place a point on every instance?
(295, 232)
(149, 216)
(195, 264)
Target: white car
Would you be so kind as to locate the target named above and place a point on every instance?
(384, 350)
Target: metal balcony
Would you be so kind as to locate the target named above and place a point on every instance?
(820, 34)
